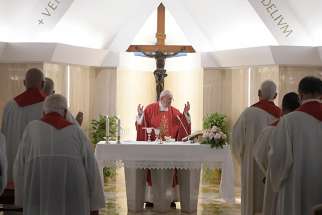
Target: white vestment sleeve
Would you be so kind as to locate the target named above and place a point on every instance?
(3, 163)
(96, 194)
(19, 170)
(238, 138)
(261, 148)
(280, 155)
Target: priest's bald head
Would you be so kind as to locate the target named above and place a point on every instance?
(267, 91)
(34, 79)
(55, 103)
(166, 98)
(310, 88)
(49, 86)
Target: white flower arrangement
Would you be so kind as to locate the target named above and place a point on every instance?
(215, 137)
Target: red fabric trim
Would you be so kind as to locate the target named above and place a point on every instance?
(149, 178)
(269, 107)
(56, 120)
(30, 97)
(313, 108)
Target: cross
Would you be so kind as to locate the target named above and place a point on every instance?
(160, 51)
(41, 22)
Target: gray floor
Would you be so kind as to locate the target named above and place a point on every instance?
(209, 199)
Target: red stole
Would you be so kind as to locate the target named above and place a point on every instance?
(56, 120)
(313, 108)
(269, 107)
(29, 97)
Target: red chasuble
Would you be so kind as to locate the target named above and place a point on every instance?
(313, 108)
(29, 97)
(269, 107)
(167, 121)
(56, 120)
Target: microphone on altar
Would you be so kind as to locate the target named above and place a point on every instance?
(181, 123)
(194, 136)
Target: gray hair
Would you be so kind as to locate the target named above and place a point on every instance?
(268, 90)
(34, 78)
(49, 86)
(165, 93)
(55, 103)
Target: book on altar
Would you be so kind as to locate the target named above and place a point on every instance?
(195, 136)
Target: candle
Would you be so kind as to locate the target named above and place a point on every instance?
(107, 128)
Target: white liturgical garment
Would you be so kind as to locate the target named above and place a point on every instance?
(295, 160)
(3, 163)
(14, 121)
(56, 172)
(245, 133)
(261, 150)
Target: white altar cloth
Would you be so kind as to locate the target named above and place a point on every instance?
(169, 155)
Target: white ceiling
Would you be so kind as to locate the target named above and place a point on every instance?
(209, 25)
(112, 25)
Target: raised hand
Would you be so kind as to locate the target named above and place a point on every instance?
(79, 118)
(140, 110)
(186, 108)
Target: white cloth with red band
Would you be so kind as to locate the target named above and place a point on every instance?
(244, 136)
(14, 121)
(295, 160)
(56, 172)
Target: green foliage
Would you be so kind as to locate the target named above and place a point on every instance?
(109, 172)
(98, 133)
(217, 119)
(220, 121)
(98, 129)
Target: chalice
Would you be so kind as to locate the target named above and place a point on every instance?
(157, 134)
(149, 131)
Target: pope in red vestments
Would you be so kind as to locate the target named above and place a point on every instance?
(161, 115)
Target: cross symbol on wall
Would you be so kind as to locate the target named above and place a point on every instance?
(40, 22)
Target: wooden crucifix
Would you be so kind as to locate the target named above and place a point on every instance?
(160, 51)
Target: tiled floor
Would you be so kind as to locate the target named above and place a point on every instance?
(209, 202)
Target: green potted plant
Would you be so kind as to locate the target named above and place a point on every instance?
(98, 129)
(214, 124)
(215, 131)
(98, 133)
